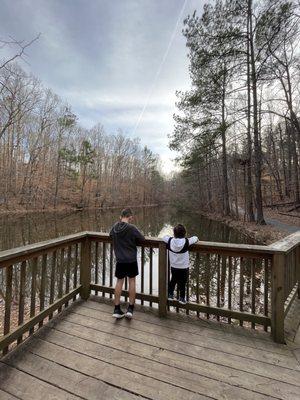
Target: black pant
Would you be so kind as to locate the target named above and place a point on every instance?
(179, 278)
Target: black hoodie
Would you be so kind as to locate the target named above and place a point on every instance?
(125, 238)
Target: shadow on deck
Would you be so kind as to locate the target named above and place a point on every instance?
(83, 353)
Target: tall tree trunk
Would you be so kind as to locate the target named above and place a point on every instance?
(282, 156)
(249, 185)
(295, 165)
(257, 145)
(226, 205)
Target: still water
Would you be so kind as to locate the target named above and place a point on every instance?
(19, 230)
(211, 280)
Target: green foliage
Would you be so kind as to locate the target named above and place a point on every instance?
(68, 155)
(68, 119)
(86, 153)
(214, 43)
(77, 159)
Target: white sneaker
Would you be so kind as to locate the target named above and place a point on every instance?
(118, 313)
(129, 312)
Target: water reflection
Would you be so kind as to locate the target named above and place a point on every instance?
(16, 230)
(214, 280)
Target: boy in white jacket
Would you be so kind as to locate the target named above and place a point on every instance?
(179, 260)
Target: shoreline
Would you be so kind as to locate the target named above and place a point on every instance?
(71, 209)
(263, 234)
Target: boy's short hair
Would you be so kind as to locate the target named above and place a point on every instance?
(179, 231)
(126, 213)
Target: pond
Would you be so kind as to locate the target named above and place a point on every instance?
(214, 280)
(18, 230)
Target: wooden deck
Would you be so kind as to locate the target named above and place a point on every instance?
(84, 353)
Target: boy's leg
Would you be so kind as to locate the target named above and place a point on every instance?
(132, 290)
(172, 282)
(129, 312)
(182, 281)
(118, 291)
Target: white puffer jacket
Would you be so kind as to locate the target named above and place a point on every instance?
(181, 260)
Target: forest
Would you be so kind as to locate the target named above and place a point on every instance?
(49, 161)
(237, 130)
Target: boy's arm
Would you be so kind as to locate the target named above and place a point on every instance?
(138, 235)
(193, 240)
(166, 238)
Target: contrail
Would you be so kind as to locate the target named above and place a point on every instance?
(160, 68)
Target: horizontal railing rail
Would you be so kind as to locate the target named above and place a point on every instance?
(251, 284)
(18, 254)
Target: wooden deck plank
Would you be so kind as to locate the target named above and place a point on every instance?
(68, 379)
(212, 380)
(62, 367)
(7, 396)
(287, 359)
(177, 378)
(26, 387)
(195, 351)
(219, 372)
(84, 353)
(192, 324)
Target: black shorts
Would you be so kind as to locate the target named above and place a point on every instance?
(126, 269)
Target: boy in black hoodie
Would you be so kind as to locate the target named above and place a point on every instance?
(125, 237)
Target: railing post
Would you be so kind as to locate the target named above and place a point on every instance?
(277, 301)
(298, 269)
(162, 283)
(85, 268)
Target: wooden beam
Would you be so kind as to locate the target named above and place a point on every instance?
(111, 290)
(162, 280)
(23, 253)
(255, 251)
(298, 268)
(85, 269)
(12, 256)
(277, 296)
(223, 312)
(288, 243)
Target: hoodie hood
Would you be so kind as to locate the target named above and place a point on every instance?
(120, 227)
(177, 244)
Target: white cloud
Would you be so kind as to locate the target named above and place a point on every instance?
(102, 57)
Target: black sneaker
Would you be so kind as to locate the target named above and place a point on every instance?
(129, 312)
(118, 313)
(182, 300)
(170, 296)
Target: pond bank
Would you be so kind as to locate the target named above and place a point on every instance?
(72, 209)
(263, 234)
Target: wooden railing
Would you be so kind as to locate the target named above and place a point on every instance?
(246, 284)
(39, 279)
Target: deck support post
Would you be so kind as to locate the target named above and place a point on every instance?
(277, 300)
(298, 269)
(162, 284)
(85, 269)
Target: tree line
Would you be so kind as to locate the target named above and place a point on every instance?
(47, 160)
(238, 128)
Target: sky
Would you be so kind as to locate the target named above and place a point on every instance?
(116, 62)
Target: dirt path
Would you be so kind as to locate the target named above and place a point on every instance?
(282, 225)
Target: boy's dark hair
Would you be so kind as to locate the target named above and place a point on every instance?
(179, 231)
(126, 213)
